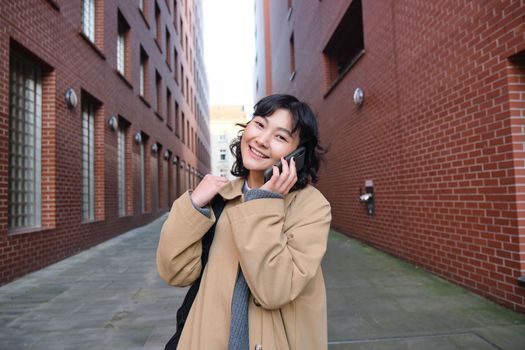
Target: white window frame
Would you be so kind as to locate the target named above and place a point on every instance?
(88, 19)
(142, 78)
(121, 50)
(25, 144)
(88, 160)
(142, 178)
(121, 172)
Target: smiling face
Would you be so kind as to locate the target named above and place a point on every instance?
(265, 140)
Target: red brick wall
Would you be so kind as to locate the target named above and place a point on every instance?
(441, 132)
(48, 32)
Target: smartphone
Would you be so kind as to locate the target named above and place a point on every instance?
(298, 156)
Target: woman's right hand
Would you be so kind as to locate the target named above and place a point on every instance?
(207, 189)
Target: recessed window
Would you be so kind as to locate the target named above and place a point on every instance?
(158, 84)
(168, 47)
(88, 158)
(88, 19)
(25, 148)
(158, 33)
(222, 154)
(182, 80)
(121, 151)
(183, 126)
(123, 46)
(292, 57)
(143, 74)
(346, 45)
(177, 127)
(142, 177)
(176, 65)
(169, 116)
(181, 36)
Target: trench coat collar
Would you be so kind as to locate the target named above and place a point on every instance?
(233, 189)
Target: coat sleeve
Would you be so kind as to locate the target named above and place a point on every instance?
(180, 247)
(280, 257)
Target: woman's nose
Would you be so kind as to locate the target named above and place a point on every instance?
(263, 139)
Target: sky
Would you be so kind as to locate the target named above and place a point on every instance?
(229, 51)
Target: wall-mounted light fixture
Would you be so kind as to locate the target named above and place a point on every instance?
(113, 123)
(138, 138)
(175, 160)
(154, 148)
(166, 155)
(71, 98)
(359, 97)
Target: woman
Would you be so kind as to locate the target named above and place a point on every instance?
(262, 287)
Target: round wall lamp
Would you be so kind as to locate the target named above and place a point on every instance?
(71, 98)
(166, 155)
(359, 97)
(138, 138)
(113, 123)
(154, 148)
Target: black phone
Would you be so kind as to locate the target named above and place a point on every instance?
(298, 156)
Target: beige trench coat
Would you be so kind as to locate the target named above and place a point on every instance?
(278, 244)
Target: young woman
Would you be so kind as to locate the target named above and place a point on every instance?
(262, 287)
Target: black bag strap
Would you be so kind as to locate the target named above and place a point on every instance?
(217, 205)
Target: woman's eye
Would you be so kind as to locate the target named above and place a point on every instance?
(259, 124)
(282, 138)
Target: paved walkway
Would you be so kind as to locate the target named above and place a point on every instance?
(110, 297)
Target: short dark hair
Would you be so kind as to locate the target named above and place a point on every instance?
(304, 122)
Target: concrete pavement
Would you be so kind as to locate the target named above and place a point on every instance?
(110, 297)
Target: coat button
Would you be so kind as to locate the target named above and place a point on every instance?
(256, 302)
(258, 347)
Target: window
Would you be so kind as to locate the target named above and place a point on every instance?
(25, 128)
(142, 178)
(187, 95)
(158, 84)
(123, 46)
(187, 133)
(222, 137)
(181, 25)
(158, 33)
(168, 48)
(175, 14)
(88, 159)
(182, 80)
(183, 126)
(169, 116)
(177, 118)
(88, 19)
(346, 45)
(121, 150)
(143, 75)
(222, 154)
(176, 64)
(292, 57)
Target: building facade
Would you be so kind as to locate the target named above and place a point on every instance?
(223, 120)
(104, 121)
(438, 138)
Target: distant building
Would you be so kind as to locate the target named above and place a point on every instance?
(439, 137)
(223, 131)
(104, 121)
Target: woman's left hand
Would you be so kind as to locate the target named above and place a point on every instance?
(282, 183)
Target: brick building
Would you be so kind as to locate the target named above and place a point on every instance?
(103, 117)
(440, 136)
